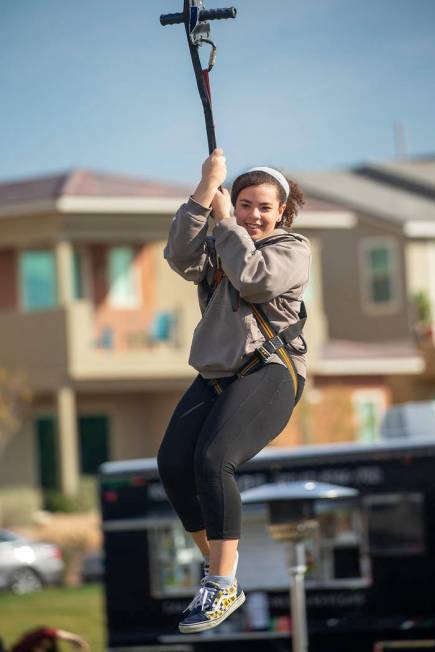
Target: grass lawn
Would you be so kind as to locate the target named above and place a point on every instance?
(79, 610)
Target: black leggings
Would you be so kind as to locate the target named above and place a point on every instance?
(209, 436)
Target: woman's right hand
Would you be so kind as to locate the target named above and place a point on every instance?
(214, 172)
(214, 169)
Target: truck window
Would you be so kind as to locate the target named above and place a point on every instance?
(396, 523)
(337, 554)
(175, 562)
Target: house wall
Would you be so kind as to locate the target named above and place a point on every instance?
(127, 325)
(35, 344)
(346, 409)
(420, 258)
(342, 277)
(137, 421)
(409, 388)
(8, 280)
(18, 458)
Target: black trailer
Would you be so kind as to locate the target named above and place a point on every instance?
(371, 565)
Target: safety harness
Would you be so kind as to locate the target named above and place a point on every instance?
(279, 343)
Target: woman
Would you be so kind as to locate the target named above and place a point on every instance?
(251, 275)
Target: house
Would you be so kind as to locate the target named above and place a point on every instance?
(371, 275)
(95, 319)
(101, 327)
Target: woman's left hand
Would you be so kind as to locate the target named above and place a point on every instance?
(221, 205)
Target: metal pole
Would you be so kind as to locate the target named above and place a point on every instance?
(297, 570)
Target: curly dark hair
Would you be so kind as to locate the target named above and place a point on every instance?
(293, 203)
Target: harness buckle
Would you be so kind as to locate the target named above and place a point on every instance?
(269, 347)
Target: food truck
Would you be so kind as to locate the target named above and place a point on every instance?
(370, 563)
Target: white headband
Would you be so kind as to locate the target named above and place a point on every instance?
(276, 175)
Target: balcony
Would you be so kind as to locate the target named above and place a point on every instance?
(52, 347)
(141, 352)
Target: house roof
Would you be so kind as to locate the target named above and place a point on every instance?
(374, 198)
(82, 190)
(421, 170)
(415, 176)
(345, 357)
(85, 183)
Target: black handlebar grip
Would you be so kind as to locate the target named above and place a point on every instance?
(205, 14)
(171, 19)
(218, 14)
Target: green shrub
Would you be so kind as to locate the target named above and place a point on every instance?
(86, 499)
(55, 501)
(88, 493)
(18, 504)
(423, 307)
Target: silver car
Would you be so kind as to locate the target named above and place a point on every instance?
(27, 565)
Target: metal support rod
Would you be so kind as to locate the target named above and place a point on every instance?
(297, 570)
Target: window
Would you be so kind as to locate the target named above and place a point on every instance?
(175, 562)
(46, 435)
(395, 523)
(77, 275)
(369, 408)
(123, 290)
(94, 443)
(337, 552)
(380, 274)
(38, 279)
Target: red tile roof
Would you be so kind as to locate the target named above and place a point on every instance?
(88, 183)
(345, 349)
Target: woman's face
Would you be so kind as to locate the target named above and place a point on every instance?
(258, 209)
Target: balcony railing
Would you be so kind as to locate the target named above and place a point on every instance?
(157, 350)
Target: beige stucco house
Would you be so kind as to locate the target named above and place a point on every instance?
(100, 326)
(377, 346)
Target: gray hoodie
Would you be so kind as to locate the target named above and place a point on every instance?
(274, 277)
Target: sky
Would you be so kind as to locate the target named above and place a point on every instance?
(308, 85)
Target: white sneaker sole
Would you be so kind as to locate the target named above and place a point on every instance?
(200, 627)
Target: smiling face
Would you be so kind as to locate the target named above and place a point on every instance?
(258, 209)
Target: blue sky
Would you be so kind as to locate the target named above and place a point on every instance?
(312, 84)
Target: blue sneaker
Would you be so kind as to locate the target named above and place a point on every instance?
(211, 606)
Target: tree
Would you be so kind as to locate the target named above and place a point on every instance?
(15, 399)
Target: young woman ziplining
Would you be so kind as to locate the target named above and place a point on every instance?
(251, 275)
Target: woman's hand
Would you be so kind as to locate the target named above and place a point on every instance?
(221, 205)
(214, 169)
(214, 172)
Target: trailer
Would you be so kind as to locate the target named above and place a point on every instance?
(371, 563)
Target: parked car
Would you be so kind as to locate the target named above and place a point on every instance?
(27, 565)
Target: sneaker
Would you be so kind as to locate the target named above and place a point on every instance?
(205, 573)
(211, 606)
(205, 568)
(197, 599)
